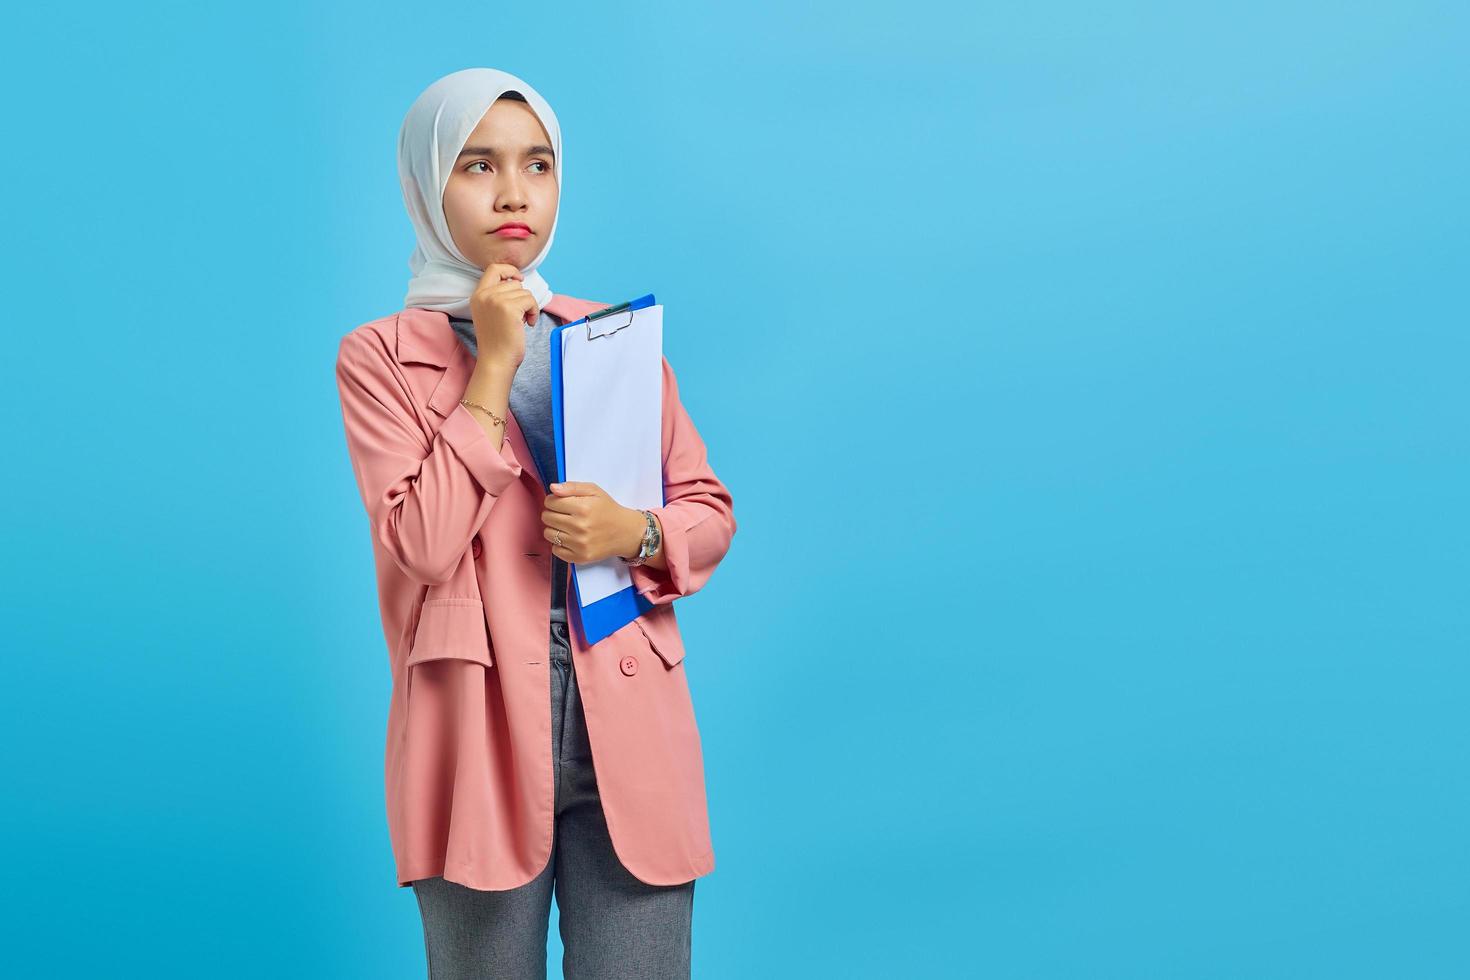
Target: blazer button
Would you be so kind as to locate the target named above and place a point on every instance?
(630, 665)
(475, 547)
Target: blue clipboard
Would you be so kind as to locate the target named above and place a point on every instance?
(612, 613)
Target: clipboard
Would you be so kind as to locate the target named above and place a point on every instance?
(610, 612)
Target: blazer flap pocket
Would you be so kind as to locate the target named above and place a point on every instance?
(662, 631)
(451, 629)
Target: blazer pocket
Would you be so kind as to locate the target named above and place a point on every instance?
(451, 629)
(661, 629)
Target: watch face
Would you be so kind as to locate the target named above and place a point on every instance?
(651, 539)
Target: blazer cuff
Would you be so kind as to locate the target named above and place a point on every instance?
(493, 470)
(660, 585)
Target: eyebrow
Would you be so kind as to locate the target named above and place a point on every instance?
(490, 151)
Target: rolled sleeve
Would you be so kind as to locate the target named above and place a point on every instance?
(661, 585)
(493, 469)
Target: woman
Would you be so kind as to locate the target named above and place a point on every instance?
(520, 762)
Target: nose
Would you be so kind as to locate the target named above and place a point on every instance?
(512, 193)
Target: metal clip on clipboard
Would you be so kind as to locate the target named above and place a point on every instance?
(608, 311)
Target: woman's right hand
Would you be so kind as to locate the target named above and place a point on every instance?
(502, 308)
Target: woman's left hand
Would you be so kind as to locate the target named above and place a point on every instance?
(591, 525)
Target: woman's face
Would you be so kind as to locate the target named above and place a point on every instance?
(504, 174)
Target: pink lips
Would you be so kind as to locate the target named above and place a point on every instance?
(512, 231)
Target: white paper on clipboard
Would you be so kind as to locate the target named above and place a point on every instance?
(612, 422)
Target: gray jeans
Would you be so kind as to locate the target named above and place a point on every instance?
(612, 924)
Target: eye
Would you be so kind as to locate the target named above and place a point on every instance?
(476, 164)
(542, 163)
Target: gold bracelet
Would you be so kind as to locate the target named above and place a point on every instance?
(469, 404)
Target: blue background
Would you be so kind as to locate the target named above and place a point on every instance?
(1090, 381)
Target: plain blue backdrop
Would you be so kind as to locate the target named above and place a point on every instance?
(1090, 381)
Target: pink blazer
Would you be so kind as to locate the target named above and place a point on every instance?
(464, 588)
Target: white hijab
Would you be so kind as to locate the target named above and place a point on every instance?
(434, 131)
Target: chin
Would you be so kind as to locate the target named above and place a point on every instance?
(510, 256)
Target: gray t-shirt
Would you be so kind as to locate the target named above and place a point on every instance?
(530, 401)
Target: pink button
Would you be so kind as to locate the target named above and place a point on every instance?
(629, 665)
(475, 547)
